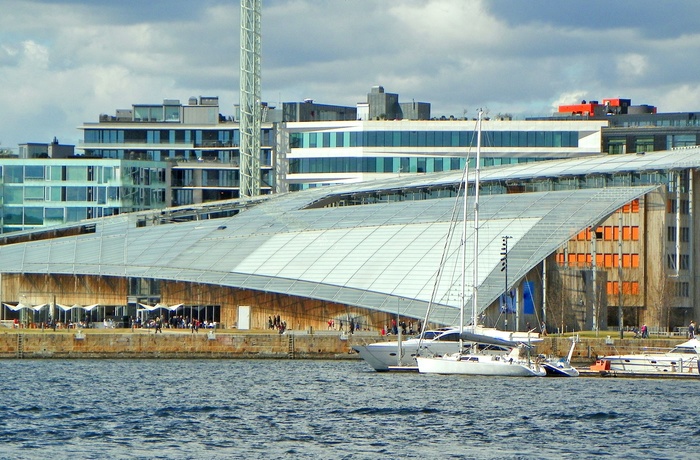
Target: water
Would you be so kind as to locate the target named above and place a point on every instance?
(300, 409)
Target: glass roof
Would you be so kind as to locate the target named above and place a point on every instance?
(380, 256)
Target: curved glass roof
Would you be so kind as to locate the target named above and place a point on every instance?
(379, 256)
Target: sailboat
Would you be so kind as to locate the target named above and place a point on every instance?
(515, 362)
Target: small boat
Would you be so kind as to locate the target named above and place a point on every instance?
(682, 359)
(561, 367)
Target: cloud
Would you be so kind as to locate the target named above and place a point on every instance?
(64, 62)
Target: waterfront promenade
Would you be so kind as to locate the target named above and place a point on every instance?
(231, 343)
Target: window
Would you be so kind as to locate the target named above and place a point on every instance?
(671, 234)
(685, 234)
(14, 174)
(609, 261)
(671, 261)
(34, 172)
(635, 233)
(34, 216)
(682, 289)
(685, 261)
(76, 173)
(34, 193)
(671, 206)
(635, 206)
(608, 233)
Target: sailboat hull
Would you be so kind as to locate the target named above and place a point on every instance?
(477, 365)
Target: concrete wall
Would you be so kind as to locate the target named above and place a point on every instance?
(139, 345)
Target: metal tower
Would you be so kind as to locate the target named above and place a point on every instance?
(250, 98)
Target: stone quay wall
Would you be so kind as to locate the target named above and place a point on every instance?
(123, 343)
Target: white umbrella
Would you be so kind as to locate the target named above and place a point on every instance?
(18, 307)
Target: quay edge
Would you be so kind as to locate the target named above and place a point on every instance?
(141, 343)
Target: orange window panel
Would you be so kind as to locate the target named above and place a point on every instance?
(588, 234)
(626, 288)
(635, 260)
(626, 260)
(635, 288)
(609, 287)
(589, 259)
(616, 233)
(608, 261)
(581, 259)
(560, 258)
(635, 205)
(635, 233)
(627, 207)
(608, 234)
(599, 260)
(626, 233)
(572, 259)
(615, 287)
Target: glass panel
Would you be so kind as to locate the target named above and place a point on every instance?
(172, 113)
(76, 214)
(13, 195)
(34, 193)
(54, 214)
(76, 173)
(34, 172)
(14, 174)
(34, 216)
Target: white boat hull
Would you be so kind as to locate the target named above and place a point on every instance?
(478, 365)
(653, 363)
(682, 359)
(384, 356)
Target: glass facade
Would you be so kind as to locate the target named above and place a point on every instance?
(541, 139)
(42, 193)
(175, 137)
(390, 164)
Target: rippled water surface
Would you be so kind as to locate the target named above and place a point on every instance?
(331, 409)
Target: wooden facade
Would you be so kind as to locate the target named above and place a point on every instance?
(297, 312)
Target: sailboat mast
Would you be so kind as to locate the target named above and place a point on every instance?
(463, 300)
(477, 170)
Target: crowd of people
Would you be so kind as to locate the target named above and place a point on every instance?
(275, 322)
(175, 322)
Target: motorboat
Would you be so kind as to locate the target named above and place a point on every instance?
(681, 359)
(401, 355)
(561, 367)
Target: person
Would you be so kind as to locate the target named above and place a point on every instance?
(691, 330)
(645, 331)
(543, 328)
(159, 325)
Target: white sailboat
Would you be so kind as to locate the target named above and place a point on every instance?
(515, 362)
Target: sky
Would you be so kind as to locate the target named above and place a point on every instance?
(65, 62)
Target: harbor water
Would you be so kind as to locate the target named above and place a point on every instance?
(307, 409)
